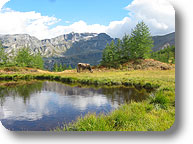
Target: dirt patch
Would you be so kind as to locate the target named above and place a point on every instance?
(147, 64)
(69, 71)
(140, 64)
(12, 70)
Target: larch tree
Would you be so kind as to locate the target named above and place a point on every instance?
(140, 41)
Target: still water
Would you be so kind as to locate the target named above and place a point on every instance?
(43, 106)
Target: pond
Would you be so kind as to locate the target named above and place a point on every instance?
(45, 105)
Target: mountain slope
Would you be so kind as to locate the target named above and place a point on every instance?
(73, 47)
(49, 47)
(161, 42)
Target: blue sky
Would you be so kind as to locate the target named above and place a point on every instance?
(51, 18)
(91, 11)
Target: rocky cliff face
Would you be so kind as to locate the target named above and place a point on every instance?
(17, 41)
(49, 47)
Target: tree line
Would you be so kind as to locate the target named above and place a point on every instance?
(22, 58)
(137, 45)
(166, 55)
(60, 67)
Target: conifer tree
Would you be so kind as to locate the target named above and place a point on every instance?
(140, 41)
(64, 67)
(38, 61)
(105, 56)
(109, 55)
(3, 55)
(69, 67)
(24, 58)
(60, 67)
(56, 67)
(112, 51)
(125, 48)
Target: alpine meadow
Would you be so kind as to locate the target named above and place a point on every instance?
(60, 75)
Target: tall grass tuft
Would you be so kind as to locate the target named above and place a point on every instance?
(160, 100)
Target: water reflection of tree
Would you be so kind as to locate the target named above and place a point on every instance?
(23, 91)
(66, 90)
(119, 95)
(2, 98)
(127, 95)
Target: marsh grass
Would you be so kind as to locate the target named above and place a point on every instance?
(129, 117)
(154, 114)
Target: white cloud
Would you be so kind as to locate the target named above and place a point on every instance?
(119, 28)
(2, 3)
(14, 22)
(158, 14)
(39, 105)
(78, 27)
(67, 22)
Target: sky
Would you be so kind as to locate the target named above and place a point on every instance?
(50, 18)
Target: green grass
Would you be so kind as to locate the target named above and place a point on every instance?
(129, 117)
(155, 114)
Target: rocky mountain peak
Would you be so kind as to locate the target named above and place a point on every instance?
(48, 47)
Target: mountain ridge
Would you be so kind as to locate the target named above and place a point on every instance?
(73, 47)
(47, 47)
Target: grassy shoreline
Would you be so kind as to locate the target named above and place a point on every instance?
(154, 114)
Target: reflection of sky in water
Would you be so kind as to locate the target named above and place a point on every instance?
(55, 103)
(46, 103)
